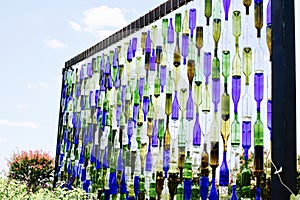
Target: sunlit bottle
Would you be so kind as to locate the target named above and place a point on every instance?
(147, 51)
(247, 4)
(207, 10)
(217, 23)
(177, 54)
(198, 67)
(226, 6)
(192, 21)
(258, 16)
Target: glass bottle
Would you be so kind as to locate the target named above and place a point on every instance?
(147, 51)
(247, 4)
(226, 5)
(192, 21)
(164, 30)
(198, 67)
(177, 54)
(217, 23)
(207, 10)
(258, 16)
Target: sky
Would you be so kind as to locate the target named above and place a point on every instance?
(36, 38)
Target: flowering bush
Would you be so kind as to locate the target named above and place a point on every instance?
(13, 189)
(33, 168)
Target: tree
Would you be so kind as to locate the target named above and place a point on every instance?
(34, 168)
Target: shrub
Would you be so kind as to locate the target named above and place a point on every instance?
(11, 189)
(34, 169)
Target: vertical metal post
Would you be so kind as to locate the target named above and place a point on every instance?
(284, 97)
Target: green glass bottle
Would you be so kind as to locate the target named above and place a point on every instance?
(226, 65)
(180, 192)
(157, 85)
(207, 10)
(217, 23)
(142, 190)
(177, 22)
(177, 54)
(153, 188)
(258, 131)
(164, 30)
(246, 182)
(188, 167)
(195, 190)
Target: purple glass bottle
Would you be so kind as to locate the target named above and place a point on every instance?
(216, 93)
(236, 91)
(190, 106)
(258, 88)
(185, 47)
(197, 132)
(170, 37)
(134, 44)
(246, 137)
(163, 77)
(192, 21)
(207, 66)
(175, 107)
(226, 5)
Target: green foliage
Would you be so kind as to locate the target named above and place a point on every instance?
(34, 169)
(15, 190)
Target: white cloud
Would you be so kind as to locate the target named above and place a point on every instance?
(25, 124)
(23, 106)
(36, 85)
(75, 26)
(101, 21)
(55, 44)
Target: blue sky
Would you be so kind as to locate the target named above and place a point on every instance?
(36, 38)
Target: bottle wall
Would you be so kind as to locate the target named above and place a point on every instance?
(179, 108)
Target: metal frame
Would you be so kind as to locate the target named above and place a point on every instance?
(283, 98)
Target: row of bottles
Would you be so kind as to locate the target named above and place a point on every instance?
(137, 120)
